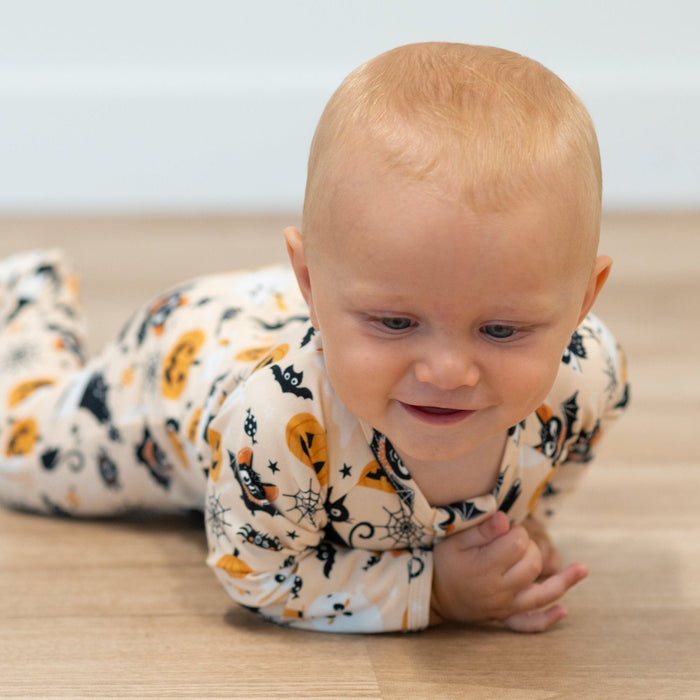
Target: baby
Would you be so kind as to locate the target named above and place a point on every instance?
(378, 452)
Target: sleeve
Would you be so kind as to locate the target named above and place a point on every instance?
(266, 513)
(592, 392)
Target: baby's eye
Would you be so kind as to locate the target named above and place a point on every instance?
(397, 323)
(498, 331)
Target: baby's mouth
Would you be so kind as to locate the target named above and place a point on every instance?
(438, 415)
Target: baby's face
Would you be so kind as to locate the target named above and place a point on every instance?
(440, 327)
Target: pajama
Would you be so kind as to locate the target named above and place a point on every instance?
(215, 397)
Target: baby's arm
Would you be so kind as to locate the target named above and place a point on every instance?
(276, 561)
(491, 572)
(593, 384)
(270, 513)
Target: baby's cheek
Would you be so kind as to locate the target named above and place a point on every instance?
(537, 381)
(356, 377)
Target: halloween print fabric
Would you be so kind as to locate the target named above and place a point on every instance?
(214, 396)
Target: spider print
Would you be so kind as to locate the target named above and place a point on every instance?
(216, 517)
(307, 502)
(19, 356)
(151, 372)
(402, 530)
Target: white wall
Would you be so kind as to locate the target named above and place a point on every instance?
(191, 105)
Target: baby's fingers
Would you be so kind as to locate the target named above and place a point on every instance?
(537, 621)
(535, 599)
(483, 534)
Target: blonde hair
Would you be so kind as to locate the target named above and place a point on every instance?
(490, 124)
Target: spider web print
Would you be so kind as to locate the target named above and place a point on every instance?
(19, 356)
(151, 372)
(306, 502)
(216, 517)
(405, 493)
(401, 529)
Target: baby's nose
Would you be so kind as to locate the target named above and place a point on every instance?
(448, 368)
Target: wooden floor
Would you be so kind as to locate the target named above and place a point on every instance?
(129, 609)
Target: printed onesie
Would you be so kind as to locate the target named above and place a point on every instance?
(215, 397)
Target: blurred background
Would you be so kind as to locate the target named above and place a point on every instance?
(202, 106)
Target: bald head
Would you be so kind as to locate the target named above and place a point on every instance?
(482, 124)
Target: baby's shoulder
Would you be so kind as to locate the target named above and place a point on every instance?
(294, 366)
(257, 287)
(279, 403)
(287, 375)
(592, 370)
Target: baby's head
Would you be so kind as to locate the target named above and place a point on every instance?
(449, 241)
(482, 124)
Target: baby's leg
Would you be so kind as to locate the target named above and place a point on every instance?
(73, 434)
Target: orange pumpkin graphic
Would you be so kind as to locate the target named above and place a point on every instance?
(24, 389)
(177, 364)
(306, 440)
(23, 437)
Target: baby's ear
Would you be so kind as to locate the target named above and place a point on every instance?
(297, 256)
(601, 271)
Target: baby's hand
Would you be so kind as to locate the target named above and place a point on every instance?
(551, 560)
(490, 572)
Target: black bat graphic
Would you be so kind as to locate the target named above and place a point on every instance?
(290, 381)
